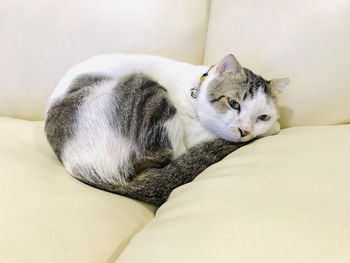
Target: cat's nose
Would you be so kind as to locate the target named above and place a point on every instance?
(243, 132)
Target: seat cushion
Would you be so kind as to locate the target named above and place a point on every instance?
(48, 216)
(283, 198)
(41, 39)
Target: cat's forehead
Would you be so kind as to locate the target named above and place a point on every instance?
(241, 87)
(255, 85)
(250, 90)
(258, 103)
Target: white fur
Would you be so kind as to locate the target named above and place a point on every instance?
(225, 125)
(195, 121)
(251, 110)
(93, 134)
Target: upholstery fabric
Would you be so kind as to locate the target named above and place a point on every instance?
(41, 39)
(283, 198)
(47, 215)
(307, 41)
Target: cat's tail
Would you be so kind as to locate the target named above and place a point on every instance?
(155, 185)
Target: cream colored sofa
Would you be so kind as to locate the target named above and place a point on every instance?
(284, 198)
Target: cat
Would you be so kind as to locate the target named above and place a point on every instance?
(140, 125)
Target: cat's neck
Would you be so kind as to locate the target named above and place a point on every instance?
(179, 82)
(179, 78)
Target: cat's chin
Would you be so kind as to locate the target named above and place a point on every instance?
(235, 139)
(240, 139)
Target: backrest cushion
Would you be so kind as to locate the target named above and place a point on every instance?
(307, 41)
(41, 39)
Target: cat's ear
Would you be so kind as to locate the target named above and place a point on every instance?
(228, 64)
(278, 84)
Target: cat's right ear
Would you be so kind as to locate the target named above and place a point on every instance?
(228, 64)
(278, 84)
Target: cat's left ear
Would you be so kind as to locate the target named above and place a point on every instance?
(228, 64)
(278, 84)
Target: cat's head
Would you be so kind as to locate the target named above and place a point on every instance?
(236, 104)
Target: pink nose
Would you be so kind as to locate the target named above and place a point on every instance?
(243, 132)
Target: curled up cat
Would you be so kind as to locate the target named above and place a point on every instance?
(140, 126)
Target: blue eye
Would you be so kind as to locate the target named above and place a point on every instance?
(234, 105)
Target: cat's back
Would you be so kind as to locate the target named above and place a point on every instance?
(113, 67)
(106, 111)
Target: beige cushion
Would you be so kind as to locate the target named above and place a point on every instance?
(41, 39)
(307, 41)
(283, 198)
(46, 215)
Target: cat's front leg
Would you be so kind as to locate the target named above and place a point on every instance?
(152, 160)
(155, 185)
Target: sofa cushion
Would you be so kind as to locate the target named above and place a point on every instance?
(284, 198)
(307, 41)
(48, 216)
(41, 39)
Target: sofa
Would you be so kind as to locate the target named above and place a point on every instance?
(283, 198)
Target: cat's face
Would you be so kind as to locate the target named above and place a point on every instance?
(237, 105)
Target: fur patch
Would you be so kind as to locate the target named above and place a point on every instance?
(62, 116)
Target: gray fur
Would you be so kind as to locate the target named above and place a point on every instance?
(59, 125)
(239, 88)
(153, 185)
(246, 85)
(143, 107)
(140, 108)
(255, 82)
(124, 135)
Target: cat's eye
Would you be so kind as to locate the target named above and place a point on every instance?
(234, 105)
(264, 117)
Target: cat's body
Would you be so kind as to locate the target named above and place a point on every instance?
(128, 124)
